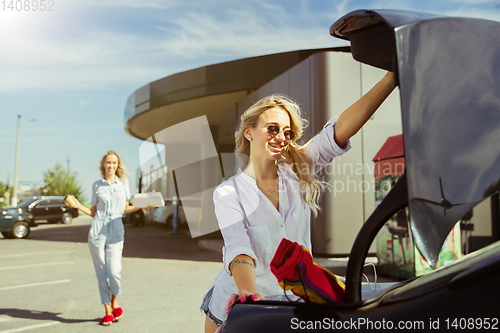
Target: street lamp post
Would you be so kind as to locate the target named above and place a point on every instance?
(14, 195)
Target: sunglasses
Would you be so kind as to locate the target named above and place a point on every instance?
(274, 130)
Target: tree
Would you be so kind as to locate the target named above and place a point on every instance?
(59, 181)
(3, 189)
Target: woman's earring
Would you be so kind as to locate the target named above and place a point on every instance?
(249, 139)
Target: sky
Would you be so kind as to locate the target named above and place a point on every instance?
(73, 67)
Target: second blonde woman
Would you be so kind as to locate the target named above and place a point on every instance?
(109, 202)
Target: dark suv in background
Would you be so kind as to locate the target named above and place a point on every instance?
(50, 208)
(14, 223)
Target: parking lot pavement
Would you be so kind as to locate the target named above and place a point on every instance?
(48, 284)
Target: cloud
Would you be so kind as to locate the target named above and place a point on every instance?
(97, 58)
(115, 43)
(96, 54)
(240, 34)
(476, 2)
(152, 4)
(471, 11)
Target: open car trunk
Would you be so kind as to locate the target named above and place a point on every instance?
(448, 73)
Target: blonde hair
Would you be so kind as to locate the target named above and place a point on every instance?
(120, 170)
(300, 160)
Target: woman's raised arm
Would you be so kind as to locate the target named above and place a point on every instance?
(354, 117)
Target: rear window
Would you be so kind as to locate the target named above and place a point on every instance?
(25, 203)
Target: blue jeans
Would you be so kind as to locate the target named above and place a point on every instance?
(106, 247)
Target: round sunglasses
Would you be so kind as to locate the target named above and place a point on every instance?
(274, 130)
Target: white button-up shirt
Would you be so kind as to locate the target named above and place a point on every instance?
(251, 225)
(110, 201)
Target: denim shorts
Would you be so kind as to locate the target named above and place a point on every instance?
(205, 307)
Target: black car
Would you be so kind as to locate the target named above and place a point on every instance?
(137, 218)
(448, 73)
(49, 208)
(14, 223)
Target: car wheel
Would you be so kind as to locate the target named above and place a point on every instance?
(138, 221)
(67, 218)
(6, 234)
(20, 230)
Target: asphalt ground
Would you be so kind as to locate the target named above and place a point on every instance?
(48, 282)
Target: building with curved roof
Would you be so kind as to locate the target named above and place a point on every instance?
(190, 119)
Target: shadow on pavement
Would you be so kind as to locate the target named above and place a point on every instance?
(60, 233)
(42, 315)
(150, 241)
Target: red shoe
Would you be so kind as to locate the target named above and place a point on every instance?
(107, 320)
(117, 313)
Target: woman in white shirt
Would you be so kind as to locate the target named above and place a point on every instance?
(109, 202)
(274, 194)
